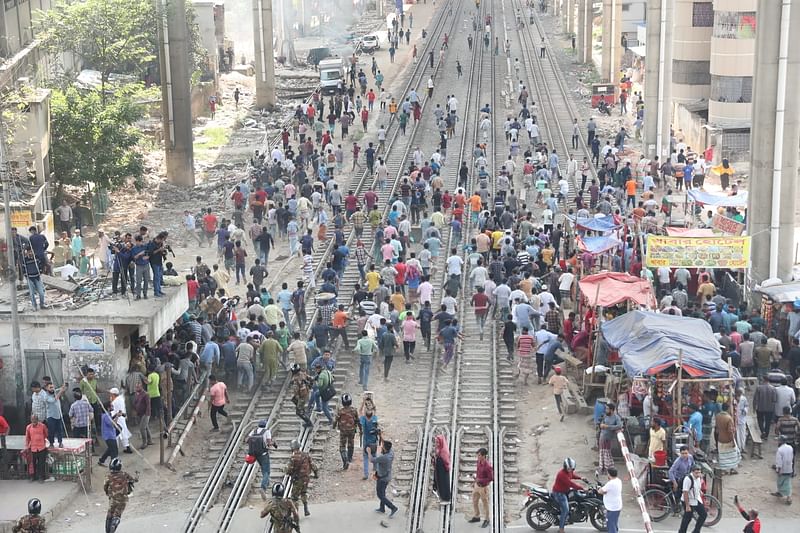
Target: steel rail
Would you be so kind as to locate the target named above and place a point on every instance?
(230, 452)
(422, 470)
(306, 436)
(461, 397)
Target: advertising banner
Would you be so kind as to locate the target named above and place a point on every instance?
(697, 252)
(87, 340)
(727, 225)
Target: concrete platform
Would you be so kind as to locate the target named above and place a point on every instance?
(55, 496)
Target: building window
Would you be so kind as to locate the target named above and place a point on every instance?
(702, 14)
(691, 72)
(732, 89)
(735, 24)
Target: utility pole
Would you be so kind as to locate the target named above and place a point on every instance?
(21, 377)
(774, 138)
(176, 104)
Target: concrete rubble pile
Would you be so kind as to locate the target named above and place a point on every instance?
(67, 295)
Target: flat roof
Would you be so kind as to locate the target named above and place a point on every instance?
(105, 310)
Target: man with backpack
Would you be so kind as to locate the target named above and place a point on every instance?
(258, 443)
(324, 390)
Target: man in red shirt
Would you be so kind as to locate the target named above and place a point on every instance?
(561, 487)
(484, 475)
(238, 198)
(210, 225)
(400, 277)
(370, 199)
(350, 203)
(480, 301)
(36, 443)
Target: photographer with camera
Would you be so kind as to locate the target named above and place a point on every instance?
(120, 266)
(157, 250)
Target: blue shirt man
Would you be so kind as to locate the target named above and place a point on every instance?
(210, 354)
(696, 423)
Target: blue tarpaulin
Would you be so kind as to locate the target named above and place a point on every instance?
(605, 223)
(598, 245)
(708, 198)
(651, 342)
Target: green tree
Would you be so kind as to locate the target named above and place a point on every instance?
(107, 35)
(112, 36)
(94, 141)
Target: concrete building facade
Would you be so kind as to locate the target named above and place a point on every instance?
(691, 34)
(57, 342)
(733, 43)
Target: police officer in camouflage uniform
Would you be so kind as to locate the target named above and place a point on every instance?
(347, 422)
(299, 469)
(117, 487)
(301, 389)
(282, 512)
(31, 522)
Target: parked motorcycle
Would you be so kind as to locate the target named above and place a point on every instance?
(542, 511)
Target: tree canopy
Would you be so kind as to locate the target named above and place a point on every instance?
(107, 35)
(94, 141)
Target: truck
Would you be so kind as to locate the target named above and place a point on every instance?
(331, 71)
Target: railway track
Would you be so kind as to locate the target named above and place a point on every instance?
(231, 479)
(467, 402)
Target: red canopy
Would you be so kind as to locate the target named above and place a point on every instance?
(610, 288)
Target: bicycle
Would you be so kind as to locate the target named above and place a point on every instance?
(664, 502)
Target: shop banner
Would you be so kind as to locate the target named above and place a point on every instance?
(727, 225)
(695, 252)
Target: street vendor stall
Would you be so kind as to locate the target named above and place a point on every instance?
(602, 293)
(676, 362)
(73, 462)
(676, 373)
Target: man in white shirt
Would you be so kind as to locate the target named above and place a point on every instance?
(663, 279)
(451, 305)
(68, 270)
(478, 275)
(565, 281)
(612, 499)
(454, 265)
(692, 500)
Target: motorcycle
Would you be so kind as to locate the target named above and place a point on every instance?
(542, 511)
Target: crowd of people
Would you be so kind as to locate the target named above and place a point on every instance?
(501, 241)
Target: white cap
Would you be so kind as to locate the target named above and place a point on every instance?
(114, 391)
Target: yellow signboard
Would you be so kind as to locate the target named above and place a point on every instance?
(21, 219)
(696, 252)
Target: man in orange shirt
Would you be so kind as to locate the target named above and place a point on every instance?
(475, 207)
(630, 191)
(36, 443)
(339, 329)
(639, 212)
